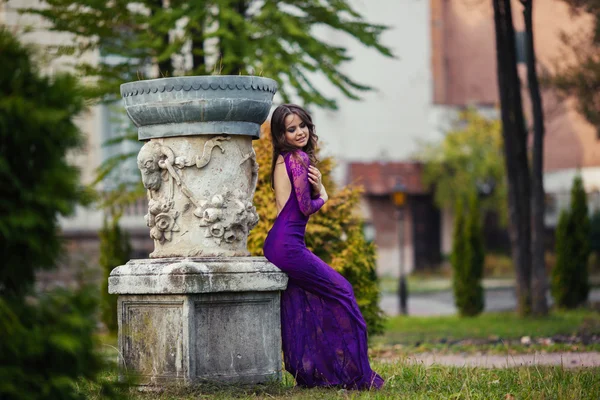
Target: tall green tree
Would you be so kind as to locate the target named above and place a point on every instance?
(38, 184)
(47, 347)
(578, 74)
(469, 156)
(273, 38)
(467, 258)
(580, 219)
(460, 253)
(570, 281)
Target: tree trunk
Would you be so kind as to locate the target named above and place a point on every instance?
(235, 47)
(165, 67)
(198, 59)
(538, 275)
(515, 152)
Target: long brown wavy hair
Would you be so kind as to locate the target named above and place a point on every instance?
(280, 144)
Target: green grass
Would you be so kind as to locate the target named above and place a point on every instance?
(417, 381)
(409, 381)
(507, 325)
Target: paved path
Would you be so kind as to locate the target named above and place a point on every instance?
(442, 303)
(567, 360)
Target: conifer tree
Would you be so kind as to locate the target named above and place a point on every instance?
(47, 345)
(460, 253)
(474, 274)
(467, 259)
(115, 250)
(570, 282)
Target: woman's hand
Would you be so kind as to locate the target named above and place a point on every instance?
(314, 177)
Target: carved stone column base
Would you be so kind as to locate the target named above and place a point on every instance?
(193, 320)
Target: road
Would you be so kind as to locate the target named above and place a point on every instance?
(442, 303)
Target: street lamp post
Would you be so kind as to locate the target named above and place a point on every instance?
(399, 199)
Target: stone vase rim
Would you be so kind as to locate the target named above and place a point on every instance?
(232, 82)
(199, 105)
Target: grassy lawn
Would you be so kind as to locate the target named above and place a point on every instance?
(500, 330)
(407, 335)
(409, 381)
(407, 329)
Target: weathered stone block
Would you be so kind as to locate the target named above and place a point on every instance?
(234, 340)
(153, 338)
(195, 320)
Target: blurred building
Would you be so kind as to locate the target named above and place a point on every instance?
(464, 74)
(98, 124)
(445, 61)
(421, 218)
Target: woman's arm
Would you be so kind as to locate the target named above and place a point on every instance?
(299, 163)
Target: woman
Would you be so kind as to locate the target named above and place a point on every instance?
(323, 332)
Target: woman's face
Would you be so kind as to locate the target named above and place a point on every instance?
(296, 131)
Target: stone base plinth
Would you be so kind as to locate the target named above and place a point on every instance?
(194, 320)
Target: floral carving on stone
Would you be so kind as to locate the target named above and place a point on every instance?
(161, 218)
(155, 163)
(227, 216)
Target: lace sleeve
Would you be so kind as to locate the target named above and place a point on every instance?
(298, 163)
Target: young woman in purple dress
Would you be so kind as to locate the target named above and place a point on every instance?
(324, 334)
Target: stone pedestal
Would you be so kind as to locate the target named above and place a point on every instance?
(194, 320)
(199, 309)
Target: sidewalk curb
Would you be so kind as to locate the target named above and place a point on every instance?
(564, 359)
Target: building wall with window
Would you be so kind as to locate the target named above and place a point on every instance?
(407, 237)
(464, 74)
(98, 123)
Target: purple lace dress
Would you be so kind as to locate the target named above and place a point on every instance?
(323, 332)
